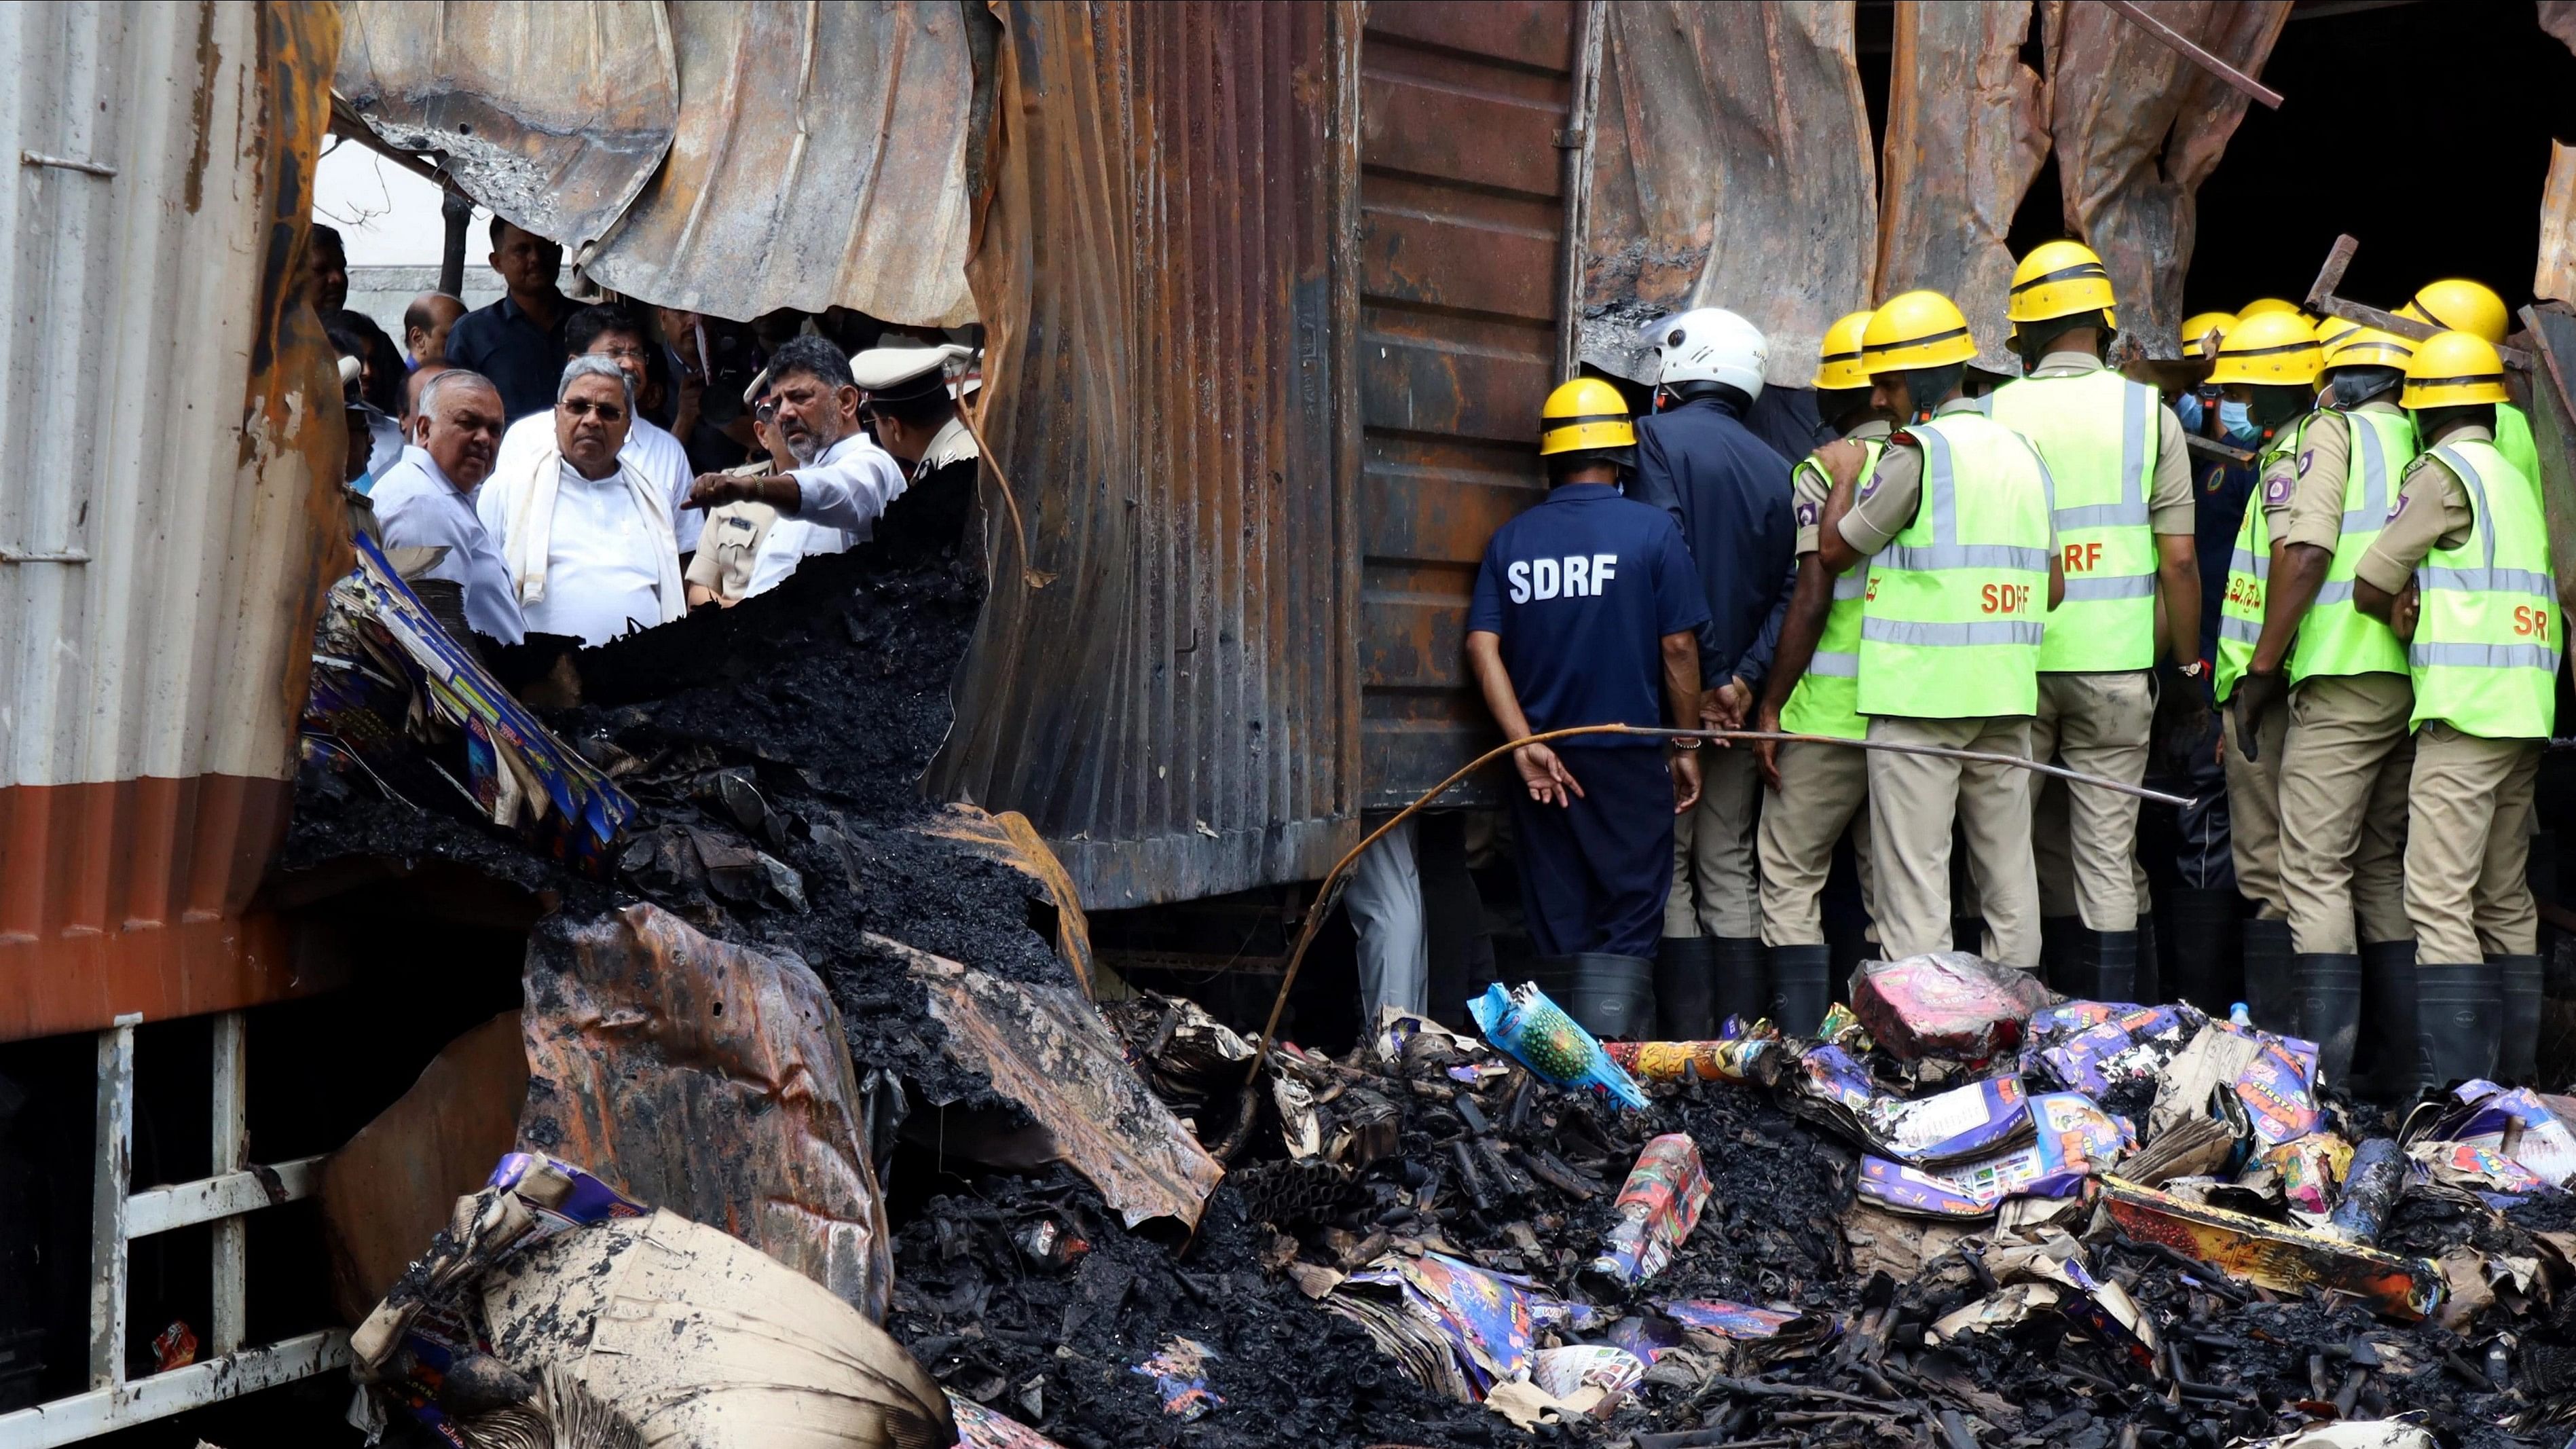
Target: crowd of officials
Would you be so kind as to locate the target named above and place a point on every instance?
(584, 471)
(1975, 572)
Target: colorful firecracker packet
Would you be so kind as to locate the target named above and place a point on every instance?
(1726, 1320)
(2073, 1139)
(1945, 1004)
(1537, 1033)
(2309, 1167)
(1658, 1206)
(2279, 1087)
(1733, 1059)
(1562, 1372)
(2135, 1044)
(1179, 1372)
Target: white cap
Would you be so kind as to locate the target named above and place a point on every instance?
(899, 374)
(1710, 344)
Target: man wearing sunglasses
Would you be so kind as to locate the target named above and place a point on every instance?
(613, 332)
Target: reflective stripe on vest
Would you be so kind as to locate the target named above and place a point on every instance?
(1951, 624)
(2485, 654)
(2097, 433)
(2336, 639)
(1826, 700)
(2249, 573)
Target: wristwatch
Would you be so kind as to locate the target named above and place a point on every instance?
(2193, 670)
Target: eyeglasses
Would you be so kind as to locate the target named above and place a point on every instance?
(623, 354)
(765, 412)
(583, 407)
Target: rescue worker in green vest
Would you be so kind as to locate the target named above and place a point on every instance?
(2126, 541)
(1814, 689)
(2473, 307)
(2461, 569)
(2269, 363)
(1955, 525)
(2348, 751)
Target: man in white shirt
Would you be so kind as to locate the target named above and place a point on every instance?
(585, 537)
(747, 548)
(612, 332)
(426, 499)
(842, 480)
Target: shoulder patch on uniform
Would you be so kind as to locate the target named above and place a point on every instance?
(1806, 515)
(2306, 456)
(2276, 489)
(2397, 508)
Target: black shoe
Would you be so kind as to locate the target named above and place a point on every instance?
(2328, 987)
(2205, 971)
(1612, 996)
(2456, 1019)
(2060, 953)
(2271, 996)
(1743, 981)
(1801, 987)
(2388, 993)
(2107, 967)
(2518, 1042)
(1685, 988)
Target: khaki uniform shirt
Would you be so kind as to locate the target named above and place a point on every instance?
(2432, 511)
(2303, 493)
(1808, 492)
(1895, 492)
(2170, 505)
(729, 546)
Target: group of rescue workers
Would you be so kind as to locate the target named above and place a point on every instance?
(1985, 575)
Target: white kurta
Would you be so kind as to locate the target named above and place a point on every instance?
(650, 449)
(602, 575)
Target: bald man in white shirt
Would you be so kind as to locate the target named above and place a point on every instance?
(426, 499)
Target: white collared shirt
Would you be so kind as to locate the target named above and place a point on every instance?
(848, 487)
(417, 507)
(603, 578)
(650, 449)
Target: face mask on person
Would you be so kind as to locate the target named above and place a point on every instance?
(2187, 411)
(2238, 421)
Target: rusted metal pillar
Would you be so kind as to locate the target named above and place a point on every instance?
(1574, 143)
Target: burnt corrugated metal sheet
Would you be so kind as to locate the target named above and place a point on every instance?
(1174, 708)
(1734, 169)
(2554, 276)
(171, 516)
(728, 158)
(1461, 221)
(1967, 131)
(2137, 129)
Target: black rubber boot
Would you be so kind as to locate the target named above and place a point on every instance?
(1686, 988)
(2389, 996)
(2151, 965)
(2060, 953)
(2107, 966)
(2458, 1010)
(2271, 997)
(2328, 987)
(1613, 996)
(1743, 981)
(2518, 1038)
(1801, 987)
(2205, 969)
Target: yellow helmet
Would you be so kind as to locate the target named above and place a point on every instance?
(1838, 363)
(2268, 349)
(2461, 305)
(2261, 305)
(2332, 331)
(2197, 327)
(1915, 329)
(2452, 369)
(2060, 279)
(1584, 413)
(2364, 347)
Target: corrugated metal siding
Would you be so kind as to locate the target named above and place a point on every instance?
(168, 505)
(1460, 231)
(1173, 710)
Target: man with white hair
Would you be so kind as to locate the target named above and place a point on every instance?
(585, 536)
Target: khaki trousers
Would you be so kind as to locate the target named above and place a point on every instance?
(2254, 813)
(1823, 789)
(1914, 800)
(1713, 889)
(2345, 767)
(2468, 847)
(2085, 838)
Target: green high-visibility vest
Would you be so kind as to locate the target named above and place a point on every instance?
(2485, 653)
(1950, 624)
(2249, 573)
(2513, 439)
(2335, 638)
(1826, 700)
(2097, 432)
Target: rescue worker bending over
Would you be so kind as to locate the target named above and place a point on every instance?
(2125, 534)
(2461, 569)
(1586, 612)
(2347, 755)
(1962, 565)
(1814, 689)
(2268, 362)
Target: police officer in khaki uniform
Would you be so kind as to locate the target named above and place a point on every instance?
(1818, 790)
(907, 398)
(1963, 566)
(2347, 755)
(2269, 363)
(2126, 533)
(2461, 570)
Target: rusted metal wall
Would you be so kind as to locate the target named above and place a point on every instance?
(1174, 707)
(1967, 131)
(171, 514)
(1733, 168)
(2137, 129)
(1460, 224)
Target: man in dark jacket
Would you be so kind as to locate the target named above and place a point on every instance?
(1729, 491)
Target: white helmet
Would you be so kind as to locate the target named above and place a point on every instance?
(1710, 344)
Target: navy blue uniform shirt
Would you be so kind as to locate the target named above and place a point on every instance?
(2219, 510)
(1582, 590)
(1729, 491)
(524, 360)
